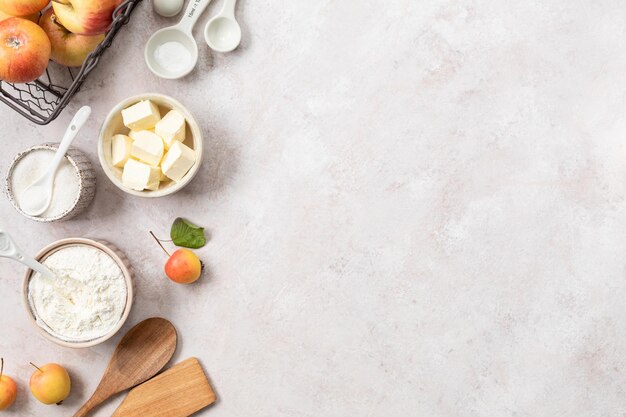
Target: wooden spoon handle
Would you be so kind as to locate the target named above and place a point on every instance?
(84, 410)
(91, 403)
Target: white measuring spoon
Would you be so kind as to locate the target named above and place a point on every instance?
(36, 198)
(8, 249)
(176, 43)
(223, 33)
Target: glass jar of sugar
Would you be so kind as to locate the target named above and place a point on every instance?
(74, 184)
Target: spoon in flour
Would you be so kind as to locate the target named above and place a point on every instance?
(172, 52)
(36, 198)
(8, 249)
(223, 33)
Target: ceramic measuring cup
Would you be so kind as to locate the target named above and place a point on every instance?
(175, 44)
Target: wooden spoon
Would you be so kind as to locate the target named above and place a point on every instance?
(143, 352)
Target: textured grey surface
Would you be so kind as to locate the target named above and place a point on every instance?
(415, 209)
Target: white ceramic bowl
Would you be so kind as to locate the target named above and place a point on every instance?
(120, 259)
(86, 182)
(113, 125)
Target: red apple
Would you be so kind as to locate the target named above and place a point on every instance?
(85, 17)
(24, 50)
(183, 267)
(22, 7)
(68, 48)
(32, 17)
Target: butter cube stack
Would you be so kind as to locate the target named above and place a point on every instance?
(153, 151)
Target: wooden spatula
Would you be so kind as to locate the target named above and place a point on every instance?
(143, 352)
(178, 392)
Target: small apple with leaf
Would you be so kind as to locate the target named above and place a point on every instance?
(183, 266)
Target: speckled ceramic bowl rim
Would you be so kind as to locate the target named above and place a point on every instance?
(198, 144)
(9, 187)
(98, 244)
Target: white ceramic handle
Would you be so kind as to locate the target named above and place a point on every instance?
(8, 249)
(192, 13)
(72, 130)
(228, 9)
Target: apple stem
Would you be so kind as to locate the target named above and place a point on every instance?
(1, 366)
(160, 244)
(36, 366)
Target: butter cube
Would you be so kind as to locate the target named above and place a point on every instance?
(154, 185)
(178, 161)
(133, 133)
(140, 116)
(148, 147)
(139, 176)
(171, 128)
(120, 150)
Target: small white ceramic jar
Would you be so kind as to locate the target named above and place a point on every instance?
(85, 185)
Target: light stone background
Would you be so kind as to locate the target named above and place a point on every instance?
(415, 208)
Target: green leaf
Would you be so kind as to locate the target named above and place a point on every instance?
(187, 235)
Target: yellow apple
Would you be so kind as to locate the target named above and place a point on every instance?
(8, 389)
(68, 48)
(50, 383)
(24, 50)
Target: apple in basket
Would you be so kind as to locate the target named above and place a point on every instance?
(22, 7)
(86, 17)
(32, 17)
(68, 48)
(24, 50)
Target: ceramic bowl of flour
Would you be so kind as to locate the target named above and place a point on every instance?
(91, 298)
(74, 185)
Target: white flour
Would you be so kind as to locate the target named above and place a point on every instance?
(32, 166)
(92, 299)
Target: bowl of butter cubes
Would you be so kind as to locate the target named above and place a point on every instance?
(150, 146)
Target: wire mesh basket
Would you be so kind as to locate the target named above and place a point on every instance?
(42, 100)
